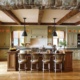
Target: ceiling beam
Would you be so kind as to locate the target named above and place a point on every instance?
(4, 24)
(37, 24)
(77, 23)
(56, 24)
(0, 22)
(67, 16)
(41, 12)
(12, 16)
(10, 23)
(68, 24)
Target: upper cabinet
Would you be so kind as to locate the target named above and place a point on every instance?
(72, 39)
(4, 39)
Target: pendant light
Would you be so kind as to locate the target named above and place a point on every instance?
(24, 32)
(54, 32)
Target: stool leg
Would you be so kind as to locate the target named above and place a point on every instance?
(49, 66)
(31, 67)
(37, 66)
(43, 67)
(25, 66)
(61, 67)
(55, 67)
(19, 67)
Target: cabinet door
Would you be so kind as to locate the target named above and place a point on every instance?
(75, 54)
(72, 40)
(78, 54)
(3, 55)
(4, 39)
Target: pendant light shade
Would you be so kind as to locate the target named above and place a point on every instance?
(54, 32)
(24, 32)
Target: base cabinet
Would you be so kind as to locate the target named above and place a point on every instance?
(76, 54)
(12, 60)
(68, 61)
(3, 54)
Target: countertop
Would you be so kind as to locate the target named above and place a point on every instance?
(24, 48)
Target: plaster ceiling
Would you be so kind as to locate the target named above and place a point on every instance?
(39, 17)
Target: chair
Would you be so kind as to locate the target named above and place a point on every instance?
(46, 60)
(34, 60)
(58, 62)
(22, 59)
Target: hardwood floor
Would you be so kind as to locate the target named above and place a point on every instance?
(74, 75)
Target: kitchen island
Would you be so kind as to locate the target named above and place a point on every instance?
(67, 63)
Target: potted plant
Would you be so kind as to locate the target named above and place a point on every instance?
(62, 43)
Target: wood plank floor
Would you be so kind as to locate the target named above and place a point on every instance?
(74, 75)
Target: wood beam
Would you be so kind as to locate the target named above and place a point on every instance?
(41, 12)
(67, 16)
(3, 23)
(56, 24)
(68, 24)
(12, 16)
(0, 22)
(77, 23)
(9, 23)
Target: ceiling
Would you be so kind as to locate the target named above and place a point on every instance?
(39, 17)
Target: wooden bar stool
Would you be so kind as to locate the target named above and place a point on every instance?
(34, 60)
(46, 60)
(22, 60)
(58, 62)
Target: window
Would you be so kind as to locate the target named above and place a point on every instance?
(59, 38)
(18, 38)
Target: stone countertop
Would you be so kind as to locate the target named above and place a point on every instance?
(24, 48)
(73, 48)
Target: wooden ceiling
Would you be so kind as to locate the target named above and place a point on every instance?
(39, 17)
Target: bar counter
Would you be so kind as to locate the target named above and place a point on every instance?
(67, 63)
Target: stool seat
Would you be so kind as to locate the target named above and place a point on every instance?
(46, 61)
(57, 61)
(34, 61)
(22, 61)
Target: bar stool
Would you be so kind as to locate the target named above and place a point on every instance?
(22, 59)
(58, 62)
(34, 60)
(46, 60)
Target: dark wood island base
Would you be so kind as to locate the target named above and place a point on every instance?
(13, 61)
